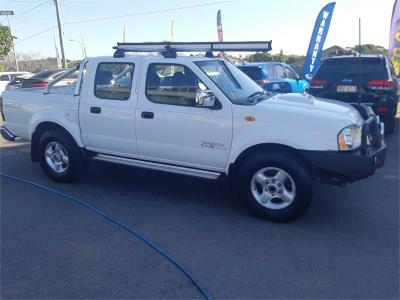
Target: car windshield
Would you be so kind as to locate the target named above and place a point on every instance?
(236, 85)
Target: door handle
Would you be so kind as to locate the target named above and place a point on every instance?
(147, 115)
(95, 110)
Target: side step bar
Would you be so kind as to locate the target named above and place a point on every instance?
(6, 134)
(157, 166)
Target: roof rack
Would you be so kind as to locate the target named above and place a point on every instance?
(170, 49)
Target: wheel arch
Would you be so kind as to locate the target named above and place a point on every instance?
(266, 148)
(40, 130)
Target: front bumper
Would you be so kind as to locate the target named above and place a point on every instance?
(6, 134)
(342, 167)
(349, 166)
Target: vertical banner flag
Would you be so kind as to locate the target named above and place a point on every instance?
(321, 28)
(394, 43)
(219, 30)
(172, 30)
(219, 27)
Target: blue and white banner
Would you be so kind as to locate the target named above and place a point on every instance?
(321, 28)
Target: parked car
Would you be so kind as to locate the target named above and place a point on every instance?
(369, 80)
(270, 74)
(16, 83)
(208, 120)
(5, 79)
(42, 78)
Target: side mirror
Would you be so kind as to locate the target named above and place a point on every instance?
(205, 98)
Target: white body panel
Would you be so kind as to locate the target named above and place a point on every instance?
(113, 130)
(184, 136)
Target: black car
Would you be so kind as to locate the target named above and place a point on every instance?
(369, 80)
(42, 79)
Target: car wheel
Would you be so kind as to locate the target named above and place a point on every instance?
(275, 187)
(59, 156)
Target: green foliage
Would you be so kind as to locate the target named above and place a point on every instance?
(5, 41)
(371, 49)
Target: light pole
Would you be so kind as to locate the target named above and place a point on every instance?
(82, 47)
(9, 13)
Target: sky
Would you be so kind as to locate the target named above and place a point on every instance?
(288, 23)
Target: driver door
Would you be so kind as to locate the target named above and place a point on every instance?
(172, 128)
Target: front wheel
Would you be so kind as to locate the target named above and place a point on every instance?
(59, 156)
(276, 187)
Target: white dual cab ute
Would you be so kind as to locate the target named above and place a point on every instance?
(197, 116)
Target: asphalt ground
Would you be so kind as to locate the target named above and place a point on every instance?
(345, 246)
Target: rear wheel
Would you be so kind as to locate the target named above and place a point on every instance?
(276, 187)
(59, 156)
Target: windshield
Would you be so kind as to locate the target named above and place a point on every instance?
(236, 85)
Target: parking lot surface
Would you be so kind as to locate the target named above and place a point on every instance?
(345, 246)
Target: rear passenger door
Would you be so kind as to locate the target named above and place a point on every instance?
(107, 110)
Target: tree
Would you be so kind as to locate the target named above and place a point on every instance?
(5, 42)
(371, 49)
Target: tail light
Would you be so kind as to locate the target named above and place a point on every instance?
(380, 84)
(382, 109)
(262, 82)
(318, 83)
(39, 84)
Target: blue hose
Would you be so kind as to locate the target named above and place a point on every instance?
(150, 243)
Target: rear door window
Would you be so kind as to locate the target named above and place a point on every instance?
(290, 73)
(113, 81)
(280, 71)
(340, 69)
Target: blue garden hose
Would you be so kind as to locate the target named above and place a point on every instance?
(140, 236)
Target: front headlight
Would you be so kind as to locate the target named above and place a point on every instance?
(349, 138)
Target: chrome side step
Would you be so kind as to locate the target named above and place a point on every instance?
(6, 134)
(157, 166)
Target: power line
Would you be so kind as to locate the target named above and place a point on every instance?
(31, 9)
(150, 12)
(34, 35)
(128, 15)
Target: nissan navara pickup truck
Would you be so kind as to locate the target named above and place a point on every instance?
(198, 116)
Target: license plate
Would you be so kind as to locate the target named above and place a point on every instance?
(347, 88)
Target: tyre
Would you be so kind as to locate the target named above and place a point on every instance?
(275, 186)
(389, 124)
(59, 156)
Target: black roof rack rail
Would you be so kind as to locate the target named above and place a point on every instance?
(170, 49)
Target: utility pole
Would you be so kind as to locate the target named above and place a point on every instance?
(63, 60)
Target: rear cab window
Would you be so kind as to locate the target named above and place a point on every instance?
(339, 69)
(113, 81)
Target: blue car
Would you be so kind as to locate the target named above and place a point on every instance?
(270, 75)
